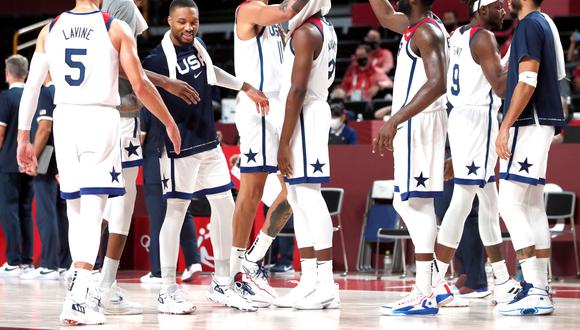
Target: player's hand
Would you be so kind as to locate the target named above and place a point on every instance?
(182, 90)
(384, 141)
(262, 103)
(448, 170)
(501, 143)
(174, 136)
(25, 155)
(285, 160)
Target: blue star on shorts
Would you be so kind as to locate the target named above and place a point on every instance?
(525, 166)
(421, 180)
(317, 166)
(132, 149)
(114, 175)
(251, 156)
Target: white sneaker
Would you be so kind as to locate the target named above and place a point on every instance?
(257, 278)
(191, 273)
(529, 301)
(62, 273)
(149, 278)
(112, 302)
(415, 303)
(297, 293)
(243, 286)
(42, 274)
(172, 300)
(10, 271)
(505, 292)
(78, 313)
(226, 295)
(443, 293)
(325, 296)
(25, 268)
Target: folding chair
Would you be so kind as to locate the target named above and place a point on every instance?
(560, 207)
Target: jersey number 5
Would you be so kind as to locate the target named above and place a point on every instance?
(455, 89)
(68, 58)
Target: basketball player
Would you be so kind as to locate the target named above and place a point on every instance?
(201, 169)
(258, 54)
(118, 211)
(416, 135)
(475, 83)
(82, 49)
(532, 114)
(308, 72)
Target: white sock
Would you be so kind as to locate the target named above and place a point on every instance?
(79, 287)
(439, 272)
(309, 272)
(109, 272)
(222, 269)
(531, 272)
(259, 248)
(169, 239)
(236, 257)
(324, 272)
(543, 270)
(500, 272)
(423, 279)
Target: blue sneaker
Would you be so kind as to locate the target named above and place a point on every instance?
(415, 303)
(529, 301)
(443, 293)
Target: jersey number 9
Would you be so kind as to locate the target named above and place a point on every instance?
(455, 89)
(68, 58)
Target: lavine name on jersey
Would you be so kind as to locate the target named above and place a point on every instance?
(78, 32)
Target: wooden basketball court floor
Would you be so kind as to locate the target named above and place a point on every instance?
(36, 305)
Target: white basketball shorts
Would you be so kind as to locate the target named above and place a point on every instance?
(529, 146)
(259, 135)
(419, 155)
(472, 133)
(132, 154)
(309, 145)
(195, 176)
(86, 140)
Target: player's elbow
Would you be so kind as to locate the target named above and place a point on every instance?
(438, 87)
(297, 92)
(139, 87)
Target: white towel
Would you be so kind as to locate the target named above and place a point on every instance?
(313, 7)
(560, 62)
(202, 56)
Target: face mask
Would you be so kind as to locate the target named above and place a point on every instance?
(335, 124)
(362, 61)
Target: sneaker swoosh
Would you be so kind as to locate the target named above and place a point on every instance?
(42, 272)
(11, 269)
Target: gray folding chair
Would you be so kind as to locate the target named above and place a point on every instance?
(560, 208)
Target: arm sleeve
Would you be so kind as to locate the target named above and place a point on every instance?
(529, 40)
(227, 80)
(29, 101)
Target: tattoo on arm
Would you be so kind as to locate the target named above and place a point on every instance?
(278, 219)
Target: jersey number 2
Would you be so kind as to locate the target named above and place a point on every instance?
(455, 89)
(68, 58)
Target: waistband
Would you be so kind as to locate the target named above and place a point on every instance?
(129, 114)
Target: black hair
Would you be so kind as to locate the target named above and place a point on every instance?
(538, 3)
(337, 109)
(181, 4)
(470, 4)
(427, 3)
(366, 47)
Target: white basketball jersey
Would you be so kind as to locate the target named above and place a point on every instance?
(83, 63)
(257, 61)
(467, 86)
(410, 74)
(323, 67)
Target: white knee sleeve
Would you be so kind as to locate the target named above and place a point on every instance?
(85, 217)
(537, 217)
(302, 231)
(489, 229)
(220, 225)
(169, 235)
(421, 222)
(512, 207)
(314, 207)
(452, 226)
(120, 209)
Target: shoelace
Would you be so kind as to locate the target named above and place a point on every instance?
(412, 296)
(262, 273)
(244, 288)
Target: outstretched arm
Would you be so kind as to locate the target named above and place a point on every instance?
(259, 13)
(144, 89)
(226, 80)
(484, 52)
(305, 43)
(388, 17)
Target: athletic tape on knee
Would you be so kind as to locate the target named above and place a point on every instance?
(451, 228)
(489, 228)
(312, 203)
(301, 230)
(121, 207)
(421, 223)
(512, 209)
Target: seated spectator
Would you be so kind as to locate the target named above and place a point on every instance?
(338, 95)
(340, 133)
(574, 49)
(450, 20)
(362, 81)
(380, 58)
